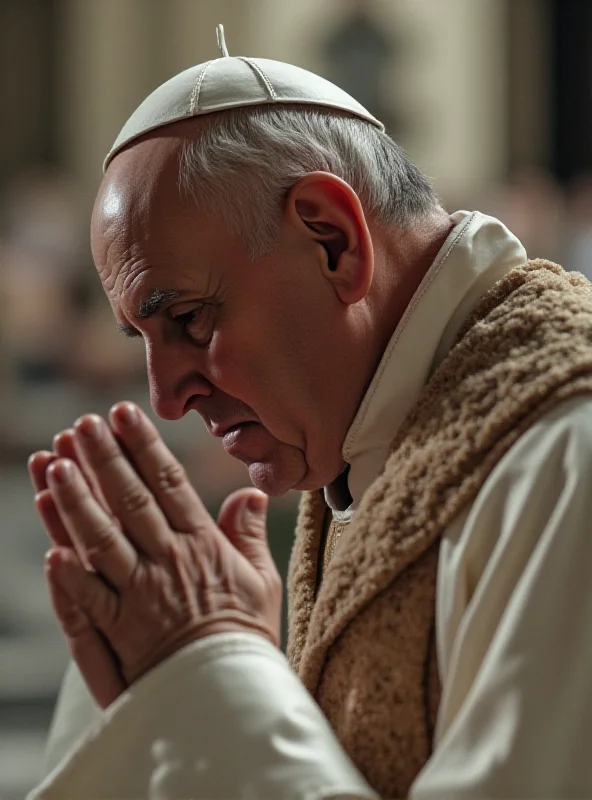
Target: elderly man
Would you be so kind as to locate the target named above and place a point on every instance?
(296, 281)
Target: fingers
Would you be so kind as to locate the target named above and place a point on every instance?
(37, 465)
(243, 520)
(95, 534)
(64, 445)
(95, 659)
(126, 495)
(159, 469)
(51, 519)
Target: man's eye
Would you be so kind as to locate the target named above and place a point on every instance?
(197, 323)
(188, 317)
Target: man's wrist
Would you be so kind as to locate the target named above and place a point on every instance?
(223, 622)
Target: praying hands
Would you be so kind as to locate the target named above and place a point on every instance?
(138, 568)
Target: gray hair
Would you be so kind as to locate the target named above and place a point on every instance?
(243, 162)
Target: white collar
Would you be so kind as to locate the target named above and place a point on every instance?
(478, 252)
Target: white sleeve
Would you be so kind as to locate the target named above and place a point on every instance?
(75, 712)
(514, 620)
(224, 717)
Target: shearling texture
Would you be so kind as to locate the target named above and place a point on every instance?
(364, 644)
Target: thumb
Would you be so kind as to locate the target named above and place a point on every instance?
(243, 520)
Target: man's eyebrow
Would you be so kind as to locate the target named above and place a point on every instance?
(148, 308)
(156, 299)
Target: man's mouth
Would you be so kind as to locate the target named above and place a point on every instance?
(220, 431)
(232, 435)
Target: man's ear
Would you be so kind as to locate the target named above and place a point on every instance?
(327, 211)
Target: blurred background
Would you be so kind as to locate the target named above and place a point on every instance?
(492, 98)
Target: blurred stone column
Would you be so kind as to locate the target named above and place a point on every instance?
(529, 25)
(454, 83)
(103, 73)
(114, 52)
(448, 83)
(191, 34)
(27, 84)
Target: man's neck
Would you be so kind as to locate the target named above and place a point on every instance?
(403, 260)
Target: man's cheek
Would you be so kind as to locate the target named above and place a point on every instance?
(228, 355)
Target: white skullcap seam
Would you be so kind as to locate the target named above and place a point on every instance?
(194, 105)
(256, 68)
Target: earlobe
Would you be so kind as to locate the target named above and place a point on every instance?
(351, 278)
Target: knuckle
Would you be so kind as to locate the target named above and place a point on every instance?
(73, 621)
(87, 595)
(103, 543)
(176, 552)
(146, 441)
(201, 547)
(134, 501)
(105, 454)
(105, 607)
(170, 477)
(98, 603)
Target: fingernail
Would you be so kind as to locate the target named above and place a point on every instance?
(57, 439)
(257, 503)
(128, 414)
(90, 427)
(62, 472)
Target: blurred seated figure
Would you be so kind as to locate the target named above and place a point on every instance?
(532, 205)
(41, 265)
(98, 355)
(51, 328)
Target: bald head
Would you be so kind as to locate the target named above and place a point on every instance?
(150, 162)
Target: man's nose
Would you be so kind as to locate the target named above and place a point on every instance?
(175, 378)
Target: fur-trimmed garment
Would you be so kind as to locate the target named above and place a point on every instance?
(364, 644)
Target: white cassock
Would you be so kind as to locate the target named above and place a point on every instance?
(226, 717)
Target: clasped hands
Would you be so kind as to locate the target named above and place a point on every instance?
(138, 568)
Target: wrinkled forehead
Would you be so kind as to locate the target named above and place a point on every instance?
(138, 196)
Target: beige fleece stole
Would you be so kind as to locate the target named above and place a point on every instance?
(364, 644)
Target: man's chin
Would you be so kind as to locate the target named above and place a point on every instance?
(273, 481)
(274, 466)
